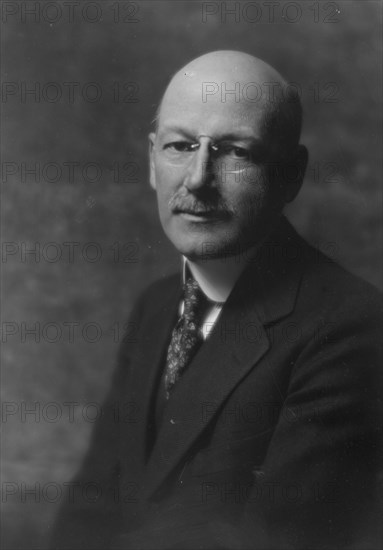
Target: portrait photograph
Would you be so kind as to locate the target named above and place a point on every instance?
(191, 255)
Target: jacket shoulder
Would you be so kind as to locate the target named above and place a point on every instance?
(157, 294)
(336, 286)
(161, 287)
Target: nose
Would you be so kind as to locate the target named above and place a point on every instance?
(199, 172)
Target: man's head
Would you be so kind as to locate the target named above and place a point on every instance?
(225, 157)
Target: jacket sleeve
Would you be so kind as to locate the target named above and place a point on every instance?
(317, 487)
(91, 514)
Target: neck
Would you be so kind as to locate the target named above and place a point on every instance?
(217, 277)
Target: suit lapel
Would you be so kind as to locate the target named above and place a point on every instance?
(155, 333)
(265, 292)
(222, 361)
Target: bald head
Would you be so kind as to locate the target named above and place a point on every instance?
(227, 77)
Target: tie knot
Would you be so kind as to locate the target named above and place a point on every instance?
(195, 302)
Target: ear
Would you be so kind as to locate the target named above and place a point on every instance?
(152, 177)
(295, 171)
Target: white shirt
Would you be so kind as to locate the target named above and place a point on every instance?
(216, 278)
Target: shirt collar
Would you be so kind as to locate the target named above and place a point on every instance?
(217, 277)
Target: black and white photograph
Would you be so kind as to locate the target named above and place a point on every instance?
(191, 274)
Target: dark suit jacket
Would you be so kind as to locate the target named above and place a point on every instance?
(270, 438)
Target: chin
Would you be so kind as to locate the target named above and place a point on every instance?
(207, 243)
(209, 249)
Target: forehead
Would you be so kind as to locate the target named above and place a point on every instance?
(213, 108)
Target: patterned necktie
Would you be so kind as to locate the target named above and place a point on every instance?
(186, 336)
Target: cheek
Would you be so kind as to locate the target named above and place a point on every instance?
(168, 173)
(163, 185)
(247, 189)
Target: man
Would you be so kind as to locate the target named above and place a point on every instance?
(245, 415)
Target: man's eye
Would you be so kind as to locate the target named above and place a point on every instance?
(234, 152)
(241, 153)
(181, 146)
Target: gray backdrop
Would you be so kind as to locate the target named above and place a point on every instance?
(80, 85)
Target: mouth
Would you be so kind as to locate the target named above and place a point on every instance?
(200, 215)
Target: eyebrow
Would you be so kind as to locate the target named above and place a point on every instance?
(224, 137)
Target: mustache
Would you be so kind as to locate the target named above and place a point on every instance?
(194, 205)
